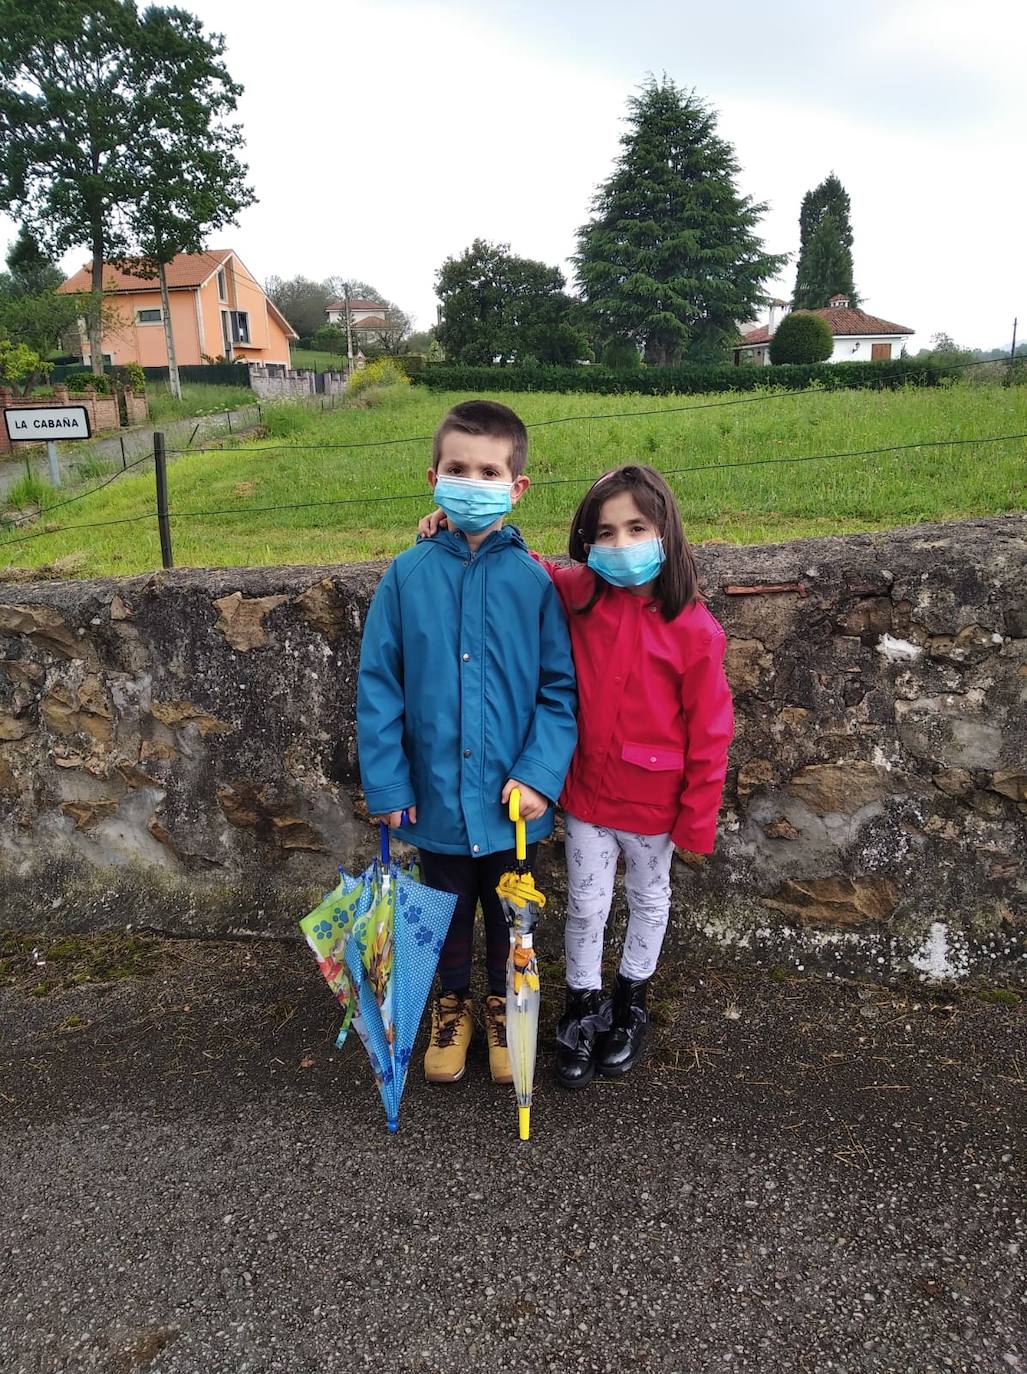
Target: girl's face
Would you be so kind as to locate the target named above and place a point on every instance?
(622, 523)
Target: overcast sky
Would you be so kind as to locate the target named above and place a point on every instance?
(385, 135)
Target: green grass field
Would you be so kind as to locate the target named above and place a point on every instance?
(197, 399)
(318, 360)
(384, 489)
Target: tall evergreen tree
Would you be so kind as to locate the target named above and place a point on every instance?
(825, 247)
(671, 258)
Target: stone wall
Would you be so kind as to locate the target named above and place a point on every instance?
(275, 383)
(177, 751)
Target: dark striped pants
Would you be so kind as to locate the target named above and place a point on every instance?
(473, 881)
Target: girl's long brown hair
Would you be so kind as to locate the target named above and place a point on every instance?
(677, 583)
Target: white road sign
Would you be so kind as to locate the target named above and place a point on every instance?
(37, 424)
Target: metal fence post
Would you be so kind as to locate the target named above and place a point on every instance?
(53, 463)
(163, 525)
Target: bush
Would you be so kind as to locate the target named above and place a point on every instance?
(802, 338)
(330, 339)
(382, 372)
(681, 381)
(131, 375)
(408, 363)
(78, 381)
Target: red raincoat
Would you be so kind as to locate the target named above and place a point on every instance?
(655, 715)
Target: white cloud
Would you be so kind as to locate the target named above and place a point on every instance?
(384, 135)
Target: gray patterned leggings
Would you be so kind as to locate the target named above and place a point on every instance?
(591, 867)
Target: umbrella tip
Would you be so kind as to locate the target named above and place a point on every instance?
(393, 1126)
(524, 1121)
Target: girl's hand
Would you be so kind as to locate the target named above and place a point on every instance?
(533, 804)
(689, 857)
(431, 524)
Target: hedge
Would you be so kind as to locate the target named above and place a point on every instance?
(667, 381)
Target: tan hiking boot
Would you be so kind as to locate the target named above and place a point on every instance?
(452, 1021)
(495, 1030)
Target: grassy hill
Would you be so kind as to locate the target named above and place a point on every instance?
(219, 500)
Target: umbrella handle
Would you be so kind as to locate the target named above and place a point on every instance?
(519, 830)
(383, 838)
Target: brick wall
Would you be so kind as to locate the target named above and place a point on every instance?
(103, 410)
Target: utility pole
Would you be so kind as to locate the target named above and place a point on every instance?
(1012, 351)
(349, 331)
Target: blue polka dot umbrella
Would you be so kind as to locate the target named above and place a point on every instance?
(377, 938)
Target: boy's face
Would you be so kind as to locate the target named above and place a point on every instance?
(481, 456)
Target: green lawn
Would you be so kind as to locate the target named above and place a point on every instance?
(198, 398)
(736, 504)
(317, 360)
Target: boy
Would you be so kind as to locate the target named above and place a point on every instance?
(466, 690)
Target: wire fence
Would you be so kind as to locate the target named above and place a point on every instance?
(205, 513)
(164, 516)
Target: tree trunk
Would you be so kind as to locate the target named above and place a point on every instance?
(94, 322)
(174, 386)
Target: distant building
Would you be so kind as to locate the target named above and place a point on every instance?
(365, 317)
(858, 337)
(218, 310)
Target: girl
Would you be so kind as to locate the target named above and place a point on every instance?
(654, 724)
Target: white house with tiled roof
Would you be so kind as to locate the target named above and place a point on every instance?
(858, 337)
(363, 315)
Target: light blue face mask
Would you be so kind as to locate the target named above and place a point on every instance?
(471, 503)
(630, 566)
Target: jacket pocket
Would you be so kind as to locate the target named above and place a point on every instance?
(649, 773)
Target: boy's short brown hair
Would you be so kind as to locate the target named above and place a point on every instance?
(485, 417)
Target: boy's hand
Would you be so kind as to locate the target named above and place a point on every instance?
(431, 524)
(395, 818)
(533, 804)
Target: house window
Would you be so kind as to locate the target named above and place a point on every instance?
(222, 286)
(880, 353)
(153, 316)
(240, 325)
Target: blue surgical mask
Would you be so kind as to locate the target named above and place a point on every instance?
(632, 565)
(471, 503)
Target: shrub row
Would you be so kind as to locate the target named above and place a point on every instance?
(666, 381)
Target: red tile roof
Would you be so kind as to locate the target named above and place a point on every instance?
(185, 272)
(355, 305)
(371, 322)
(843, 322)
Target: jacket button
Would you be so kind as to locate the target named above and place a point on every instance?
(467, 753)
(467, 658)
(652, 758)
(475, 848)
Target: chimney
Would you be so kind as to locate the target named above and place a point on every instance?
(778, 310)
(839, 302)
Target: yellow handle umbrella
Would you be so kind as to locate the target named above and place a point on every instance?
(522, 903)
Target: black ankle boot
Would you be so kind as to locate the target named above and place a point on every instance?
(576, 1035)
(619, 1048)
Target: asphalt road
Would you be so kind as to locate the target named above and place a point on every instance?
(804, 1177)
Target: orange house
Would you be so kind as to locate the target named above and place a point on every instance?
(218, 310)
